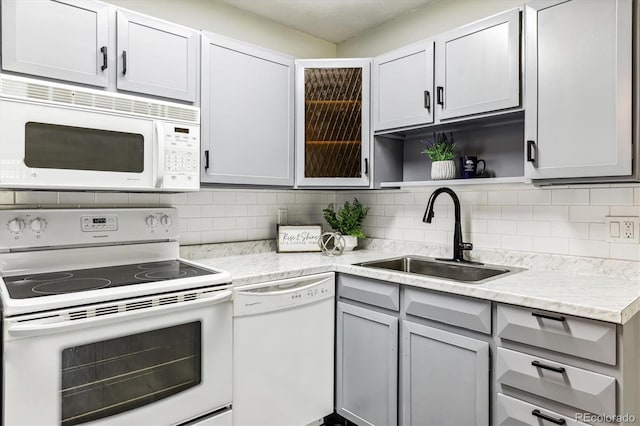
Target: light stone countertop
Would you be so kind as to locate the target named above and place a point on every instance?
(606, 298)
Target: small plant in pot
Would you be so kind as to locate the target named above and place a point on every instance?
(440, 151)
(347, 221)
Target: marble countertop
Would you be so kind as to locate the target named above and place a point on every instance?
(612, 299)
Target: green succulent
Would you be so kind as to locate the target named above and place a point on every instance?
(441, 148)
(348, 219)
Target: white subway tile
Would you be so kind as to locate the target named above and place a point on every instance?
(304, 197)
(199, 224)
(598, 231)
(477, 226)
(201, 197)
(436, 237)
(474, 198)
(579, 231)
(404, 222)
(393, 210)
(143, 199)
(517, 242)
(374, 232)
(286, 198)
(636, 196)
(386, 198)
(487, 212)
(624, 211)
(385, 221)
(180, 198)
(189, 210)
(236, 235)
(189, 238)
(570, 197)
(182, 224)
(76, 198)
(503, 198)
(413, 235)
(611, 196)
(393, 234)
(235, 210)
(267, 222)
(376, 210)
(481, 240)
(588, 213)
(413, 211)
(265, 197)
(366, 198)
(625, 252)
(551, 245)
(404, 198)
(442, 224)
(588, 248)
(507, 227)
(534, 197)
(214, 210)
(261, 234)
(210, 237)
(517, 212)
(246, 222)
(224, 197)
(41, 197)
(224, 223)
(551, 213)
(540, 229)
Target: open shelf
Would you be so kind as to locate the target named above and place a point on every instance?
(454, 182)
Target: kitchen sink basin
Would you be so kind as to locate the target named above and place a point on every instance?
(464, 272)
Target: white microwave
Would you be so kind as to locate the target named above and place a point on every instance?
(62, 137)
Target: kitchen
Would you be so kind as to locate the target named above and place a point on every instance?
(558, 231)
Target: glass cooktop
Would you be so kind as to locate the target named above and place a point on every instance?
(72, 281)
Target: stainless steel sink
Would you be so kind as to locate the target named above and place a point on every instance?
(467, 273)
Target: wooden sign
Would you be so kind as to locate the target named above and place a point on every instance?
(298, 238)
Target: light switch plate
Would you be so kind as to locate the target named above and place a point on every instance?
(623, 229)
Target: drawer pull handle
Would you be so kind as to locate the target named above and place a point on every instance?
(549, 317)
(543, 416)
(538, 364)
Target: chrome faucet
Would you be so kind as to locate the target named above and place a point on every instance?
(459, 247)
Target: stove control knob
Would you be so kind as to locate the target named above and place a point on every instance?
(152, 221)
(166, 220)
(38, 224)
(16, 225)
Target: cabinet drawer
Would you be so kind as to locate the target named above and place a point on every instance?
(450, 309)
(513, 411)
(576, 336)
(582, 389)
(372, 292)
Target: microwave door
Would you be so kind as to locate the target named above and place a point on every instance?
(54, 147)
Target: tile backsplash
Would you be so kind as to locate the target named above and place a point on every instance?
(567, 220)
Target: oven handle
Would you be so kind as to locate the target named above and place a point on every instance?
(30, 330)
(158, 127)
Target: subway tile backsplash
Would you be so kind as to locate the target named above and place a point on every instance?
(569, 220)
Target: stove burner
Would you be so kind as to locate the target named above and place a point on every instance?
(53, 276)
(71, 285)
(163, 274)
(158, 265)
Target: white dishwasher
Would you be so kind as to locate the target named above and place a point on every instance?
(283, 351)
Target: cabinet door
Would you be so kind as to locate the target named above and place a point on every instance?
(156, 57)
(247, 113)
(63, 39)
(403, 87)
(445, 377)
(578, 85)
(478, 67)
(332, 122)
(366, 366)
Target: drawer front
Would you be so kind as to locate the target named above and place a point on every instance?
(460, 311)
(594, 340)
(372, 292)
(582, 389)
(514, 412)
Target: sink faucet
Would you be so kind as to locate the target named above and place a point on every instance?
(458, 246)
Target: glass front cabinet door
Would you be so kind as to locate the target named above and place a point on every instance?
(332, 128)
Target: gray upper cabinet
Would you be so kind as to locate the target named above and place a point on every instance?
(578, 85)
(247, 113)
(156, 57)
(478, 67)
(65, 40)
(403, 87)
(445, 377)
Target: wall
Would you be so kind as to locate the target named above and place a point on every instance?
(436, 17)
(565, 220)
(217, 17)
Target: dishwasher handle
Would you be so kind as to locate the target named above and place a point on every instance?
(287, 288)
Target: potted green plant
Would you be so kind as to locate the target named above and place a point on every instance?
(347, 221)
(440, 152)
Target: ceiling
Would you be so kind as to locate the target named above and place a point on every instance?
(331, 20)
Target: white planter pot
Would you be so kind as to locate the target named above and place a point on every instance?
(350, 242)
(441, 170)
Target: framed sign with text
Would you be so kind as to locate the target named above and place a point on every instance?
(298, 238)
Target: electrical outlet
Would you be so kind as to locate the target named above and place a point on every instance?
(282, 216)
(623, 229)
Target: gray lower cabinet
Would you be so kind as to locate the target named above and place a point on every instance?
(445, 377)
(366, 365)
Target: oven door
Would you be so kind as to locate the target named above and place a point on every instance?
(56, 147)
(153, 361)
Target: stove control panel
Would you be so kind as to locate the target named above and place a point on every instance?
(24, 228)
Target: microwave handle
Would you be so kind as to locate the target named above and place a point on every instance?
(158, 127)
(30, 330)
